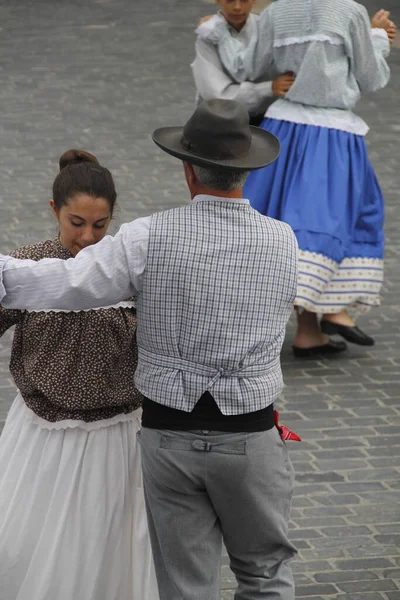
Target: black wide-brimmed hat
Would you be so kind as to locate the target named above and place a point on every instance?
(218, 134)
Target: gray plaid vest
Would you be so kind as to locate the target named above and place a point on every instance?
(218, 290)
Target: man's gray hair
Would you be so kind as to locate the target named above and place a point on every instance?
(224, 180)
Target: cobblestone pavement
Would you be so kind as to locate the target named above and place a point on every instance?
(101, 74)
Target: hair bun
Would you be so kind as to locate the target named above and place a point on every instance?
(74, 157)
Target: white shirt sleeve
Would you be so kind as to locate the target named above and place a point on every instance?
(100, 275)
(380, 40)
(213, 82)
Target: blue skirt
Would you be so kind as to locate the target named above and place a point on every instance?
(323, 185)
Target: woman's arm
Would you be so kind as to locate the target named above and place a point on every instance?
(367, 53)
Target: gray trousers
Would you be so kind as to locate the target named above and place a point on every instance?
(202, 488)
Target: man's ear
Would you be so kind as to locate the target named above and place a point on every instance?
(189, 174)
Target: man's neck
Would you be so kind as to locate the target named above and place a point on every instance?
(206, 191)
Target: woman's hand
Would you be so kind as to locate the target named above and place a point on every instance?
(282, 84)
(205, 19)
(381, 19)
(391, 31)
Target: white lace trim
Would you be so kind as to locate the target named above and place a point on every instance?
(332, 118)
(325, 286)
(290, 41)
(124, 304)
(135, 415)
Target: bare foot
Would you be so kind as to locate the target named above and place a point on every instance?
(341, 318)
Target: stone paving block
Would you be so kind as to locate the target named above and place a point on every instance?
(329, 511)
(301, 544)
(341, 465)
(366, 421)
(327, 521)
(347, 531)
(302, 579)
(361, 564)
(353, 431)
(392, 574)
(342, 443)
(311, 566)
(358, 487)
(319, 477)
(389, 539)
(300, 502)
(374, 475)
(305, 534)
(304, 467)
(308, 591)
(381, 585)
(339, 499)
(393, 440)
(356, 542)
(313, 489)
(340, 576)
(377, 451)
(361, 596)
(372, 550)
(388, 461)
(332, 553)
(373, 518)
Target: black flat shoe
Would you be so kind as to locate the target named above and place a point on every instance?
(332, 347)
(354, 335)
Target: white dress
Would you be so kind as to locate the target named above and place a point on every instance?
(72, 516)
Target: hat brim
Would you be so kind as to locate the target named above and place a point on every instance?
(264, 150)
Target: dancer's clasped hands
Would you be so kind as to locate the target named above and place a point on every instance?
(381, 20)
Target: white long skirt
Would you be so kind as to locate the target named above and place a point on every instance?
(72, 516)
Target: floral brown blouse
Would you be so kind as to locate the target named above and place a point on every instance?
(73, 365)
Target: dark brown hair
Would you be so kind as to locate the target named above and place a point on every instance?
(81, 173)
(74, 157)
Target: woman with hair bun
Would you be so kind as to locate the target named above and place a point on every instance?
(72, 517)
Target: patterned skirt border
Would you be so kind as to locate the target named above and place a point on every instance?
(325, 286)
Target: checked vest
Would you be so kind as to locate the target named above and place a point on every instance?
(218, 290)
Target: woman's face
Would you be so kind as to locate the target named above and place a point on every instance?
(236, 11)
(83, 221)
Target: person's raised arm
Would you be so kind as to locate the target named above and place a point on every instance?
(100, 275)
(367, 52)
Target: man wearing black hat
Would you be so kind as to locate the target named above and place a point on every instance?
(215, 283)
